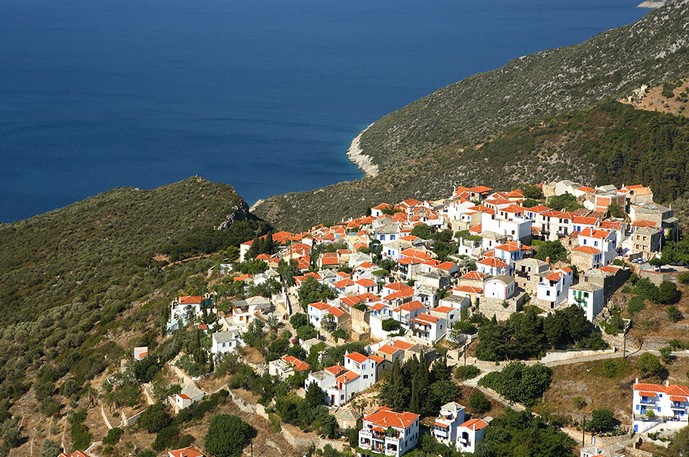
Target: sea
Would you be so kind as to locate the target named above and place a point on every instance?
(263, 94)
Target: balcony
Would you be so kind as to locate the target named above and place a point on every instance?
(646, 401)
(679, 406)
(440, 432)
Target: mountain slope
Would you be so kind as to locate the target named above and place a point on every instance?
(420, 149)
(610, 64)
(67, 277)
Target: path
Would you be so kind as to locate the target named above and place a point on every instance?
(105, 417)
(149, 400)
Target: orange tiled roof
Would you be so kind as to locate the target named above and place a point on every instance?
(385, 417)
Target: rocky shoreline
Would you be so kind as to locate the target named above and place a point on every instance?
(652, 4)
(361, 160)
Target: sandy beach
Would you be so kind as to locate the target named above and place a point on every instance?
(361, 160)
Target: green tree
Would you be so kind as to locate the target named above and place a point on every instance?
(394, 393)
(564, 202)
(227, 436)
(312, 291)
(553, 250)
(602, 420)
(667, 293)
(479, 403)
(616, 211)
(674, 314)
(650, 366)
(155, 418)
(50, 448)
(679, 446)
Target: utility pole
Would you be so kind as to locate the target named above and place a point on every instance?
(583, 430)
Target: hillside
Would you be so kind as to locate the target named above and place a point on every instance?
(74, 281)
(611, 142)
(420, 149)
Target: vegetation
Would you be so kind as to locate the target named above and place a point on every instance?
(602, 420)
(518, 382)
(516, 434)
(527, 335)
(414, 387)
(650, 366)
(478, 403)
(464, 372)
(553, 250)
(227, 436)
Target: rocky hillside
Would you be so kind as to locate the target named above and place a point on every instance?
(650, 51)
(74, 279)
(423, 149)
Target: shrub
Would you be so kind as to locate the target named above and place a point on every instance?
(479, 403)
(683, 278)
(465, 372)
(155, 418)
(602, 420)
(674, 314)
(649, 366)
(113, 436)
(227, 435)
(390, 325)
(667, 293)
(635, 305)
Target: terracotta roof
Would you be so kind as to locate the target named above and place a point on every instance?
(443, 309)
(469, 289)
(347, 376)
(190, 300)
(410, 306)
(377, 359)
(424, 318)
(387, 349)
(510, 246)
(585, 220)
(474, 275)
(299, 365)
(475, 424)
(365, 282)
(493, 262)
(593, 233)
(404, 345)
(644, 223)
(357, 357)
(587, 250)
(319, 305)
(385, 417)
(335, 370)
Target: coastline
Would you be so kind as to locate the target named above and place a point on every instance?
(361, 160)
(652, 4)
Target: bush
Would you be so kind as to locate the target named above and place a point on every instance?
(674, 314)
(683, 278)
(668, 293)
(390, 325)
(113, 436)
(166, 438)
(602, 420)
(635, 305)
(155, 418)
(463, 373)
(479, 403)
(650, 366)
(520, 383)
(227, 435)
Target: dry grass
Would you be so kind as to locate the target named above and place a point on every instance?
(654, 100)
(605, 384)
(651, 326)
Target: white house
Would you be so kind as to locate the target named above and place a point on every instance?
(286, 366)
(388, 432)
(429, 329)
(339, 383)
(189, 395)
(655, 403)
(470, 433)
(602, 240)
(449, 419)
(553, 288)
(493, 267)
(501, 287)
(589, 297)
(186, 307)
(225, 342)
(244, 311)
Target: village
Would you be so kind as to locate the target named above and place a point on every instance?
(410, 283)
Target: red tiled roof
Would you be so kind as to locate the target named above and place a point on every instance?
(385, 417)
(475, 424)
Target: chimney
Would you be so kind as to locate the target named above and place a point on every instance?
(547, 260)
(636, 380)
(667, 383)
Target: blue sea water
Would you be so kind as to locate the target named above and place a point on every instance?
(263, 94)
